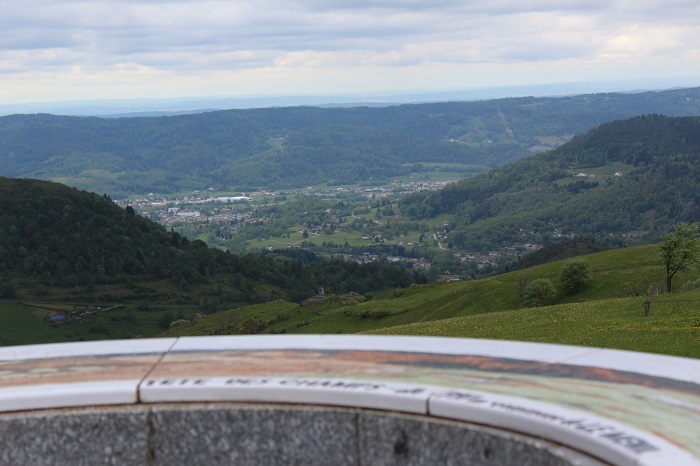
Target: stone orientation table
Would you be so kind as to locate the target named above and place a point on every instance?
(331, 399)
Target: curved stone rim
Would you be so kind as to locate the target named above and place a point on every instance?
(585, 398)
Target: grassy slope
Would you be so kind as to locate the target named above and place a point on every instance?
(604, 314)
(26, 323)
(674, 328)
(23, 324)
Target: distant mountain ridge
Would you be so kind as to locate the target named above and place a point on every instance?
(628, 180)
(197, 104)
(300, 146)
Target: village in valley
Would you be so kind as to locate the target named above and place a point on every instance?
(359, 224)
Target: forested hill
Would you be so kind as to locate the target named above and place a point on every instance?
(301, 146)
(629, 180)
(59, 236)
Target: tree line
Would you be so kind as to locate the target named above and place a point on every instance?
(60, 236)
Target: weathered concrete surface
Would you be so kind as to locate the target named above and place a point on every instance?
(113, 436)
(401, 439)
(224, 434)
(254, 434)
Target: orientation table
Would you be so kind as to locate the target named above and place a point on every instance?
(335, 399)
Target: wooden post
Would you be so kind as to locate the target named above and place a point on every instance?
(648, 306)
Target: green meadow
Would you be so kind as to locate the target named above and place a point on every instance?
(609, 312)
(674, 327)
(27, 323)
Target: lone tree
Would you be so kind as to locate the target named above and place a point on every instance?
(574, 275)
(540, 292)
(680, 250)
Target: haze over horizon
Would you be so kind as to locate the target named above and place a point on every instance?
(162, 49)
(191, 104)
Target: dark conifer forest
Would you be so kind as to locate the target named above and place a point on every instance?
(60, 236)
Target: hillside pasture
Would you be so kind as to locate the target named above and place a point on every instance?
(674, 327)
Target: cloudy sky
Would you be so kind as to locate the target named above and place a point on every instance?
(62, 50)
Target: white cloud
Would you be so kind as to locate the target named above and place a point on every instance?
(79, 41)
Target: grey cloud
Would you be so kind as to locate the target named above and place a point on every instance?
(230, 34)
(32, 39)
